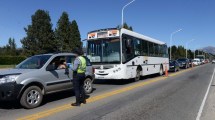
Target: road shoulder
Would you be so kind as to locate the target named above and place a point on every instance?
(209, 109)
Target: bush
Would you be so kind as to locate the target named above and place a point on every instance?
(11, 60)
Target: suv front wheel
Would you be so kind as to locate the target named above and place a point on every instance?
(88, 85)
(32, 97)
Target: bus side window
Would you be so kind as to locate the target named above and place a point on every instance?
(151, 49)
(137, 47)
(128, 46)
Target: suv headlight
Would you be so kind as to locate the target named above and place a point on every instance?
(8, 78)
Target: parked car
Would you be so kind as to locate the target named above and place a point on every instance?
(40, 75)
(207, 61)
(196, 61)
(184, 62)
(174, 66)
(190, 62)
(213, 61)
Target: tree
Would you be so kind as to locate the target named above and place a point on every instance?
(190, 54)
(181, 52)
(63, 33)
(131, 28)
(126, 26)
(40, 36)
(76, 37)
(174, 52)
(11, 47)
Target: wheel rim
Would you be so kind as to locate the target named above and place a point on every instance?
(137, 75)
(87, 85)
(33, 97)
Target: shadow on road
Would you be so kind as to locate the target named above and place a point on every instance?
(60, 95)
(46, 99)
(9, 105)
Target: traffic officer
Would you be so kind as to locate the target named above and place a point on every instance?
(79, 69)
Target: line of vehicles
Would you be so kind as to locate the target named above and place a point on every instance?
(176, 65)
(112, 53)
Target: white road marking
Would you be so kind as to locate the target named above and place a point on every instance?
(204, 100)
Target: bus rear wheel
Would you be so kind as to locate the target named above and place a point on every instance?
(161, 70)
(137, 77)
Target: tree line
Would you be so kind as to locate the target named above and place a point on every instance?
(41, 38)
(180, 52)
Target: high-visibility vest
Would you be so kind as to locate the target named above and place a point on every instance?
(82, 65)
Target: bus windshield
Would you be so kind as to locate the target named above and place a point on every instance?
(105, 50)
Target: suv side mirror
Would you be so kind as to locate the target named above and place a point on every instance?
(50, 67)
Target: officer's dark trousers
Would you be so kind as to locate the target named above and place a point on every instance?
(78, 82)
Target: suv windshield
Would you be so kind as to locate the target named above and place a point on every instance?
(34, 62)
(104, 50)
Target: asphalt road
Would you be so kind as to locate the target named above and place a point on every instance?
(177, 97)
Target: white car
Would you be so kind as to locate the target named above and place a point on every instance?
(196, 61)
(213, 61)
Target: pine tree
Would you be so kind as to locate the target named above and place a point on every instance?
(174, 52)
(181, 52)
(126, 26)
(131, 28)
(76, 37)
(11, 46)
(63, 33)
(40, 36)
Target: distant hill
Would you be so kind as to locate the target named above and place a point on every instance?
(209, 49)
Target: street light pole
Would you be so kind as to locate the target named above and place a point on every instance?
(187, 45)
(171, 42)
(123, 10)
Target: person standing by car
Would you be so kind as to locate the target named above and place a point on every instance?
(79, 69)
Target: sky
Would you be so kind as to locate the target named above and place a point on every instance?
(154, 18)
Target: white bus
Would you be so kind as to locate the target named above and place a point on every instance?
(124, 54)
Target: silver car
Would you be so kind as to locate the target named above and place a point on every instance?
(40, 75)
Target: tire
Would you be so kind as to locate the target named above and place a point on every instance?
(137, 77)
(175, 69)
(88, 85)
(31, 97)
(161, 70)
